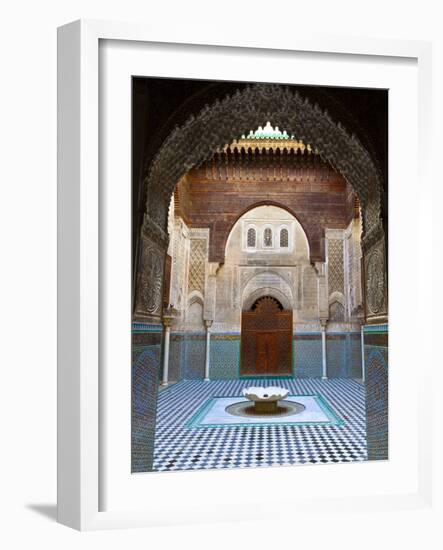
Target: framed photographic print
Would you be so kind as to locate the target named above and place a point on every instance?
(231, 262)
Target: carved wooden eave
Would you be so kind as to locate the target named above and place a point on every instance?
(240, 164)
(269, 145)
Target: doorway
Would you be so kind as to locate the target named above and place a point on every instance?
(266, 339)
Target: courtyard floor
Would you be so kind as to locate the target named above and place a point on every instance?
(184, 440)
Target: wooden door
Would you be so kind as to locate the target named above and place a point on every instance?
(266, 339)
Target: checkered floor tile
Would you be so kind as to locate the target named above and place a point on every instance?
(180, 448)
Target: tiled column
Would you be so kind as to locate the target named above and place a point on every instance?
(208, 324)
(323, 352)
(167, 333)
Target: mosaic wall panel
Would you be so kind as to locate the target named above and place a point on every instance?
(354, 343)
(336, 356)
(146, 338)
(194, 356)
(343, 353)
(187, 356)
(307, 356)
(176, 358)
(225, 357)
(145, 374)
(377, 401)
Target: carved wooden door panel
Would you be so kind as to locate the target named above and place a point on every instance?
(266, 339)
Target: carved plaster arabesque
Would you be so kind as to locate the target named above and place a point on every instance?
(180, 265)
(375, 278)
(150, 281)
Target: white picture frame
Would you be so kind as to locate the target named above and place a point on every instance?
(80, 365)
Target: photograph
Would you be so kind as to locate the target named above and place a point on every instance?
(259, 275)
(221, 282)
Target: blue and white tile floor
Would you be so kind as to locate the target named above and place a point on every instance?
(179, 447)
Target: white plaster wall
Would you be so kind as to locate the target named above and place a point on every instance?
(249, 273)
(260, 218)
(194, 316)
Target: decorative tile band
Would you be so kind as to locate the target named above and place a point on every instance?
(214, 335)
(328, 333)
(225, 336)
(145, 327)
(367, 329)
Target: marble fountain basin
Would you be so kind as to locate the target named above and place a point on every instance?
(265, 399)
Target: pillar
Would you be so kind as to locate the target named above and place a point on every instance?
(362, 340)
(323, 352)
(167, 335)
(208, 324)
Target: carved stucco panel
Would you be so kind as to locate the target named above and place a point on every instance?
(150, 280)
(376, 281)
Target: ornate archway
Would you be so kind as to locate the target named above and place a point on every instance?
(218, 125)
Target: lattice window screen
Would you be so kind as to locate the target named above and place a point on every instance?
(252, 238)
(267, 237)
(284, 238)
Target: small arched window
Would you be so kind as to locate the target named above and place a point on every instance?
(284, 238)
(267, 237)
(252, 238)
